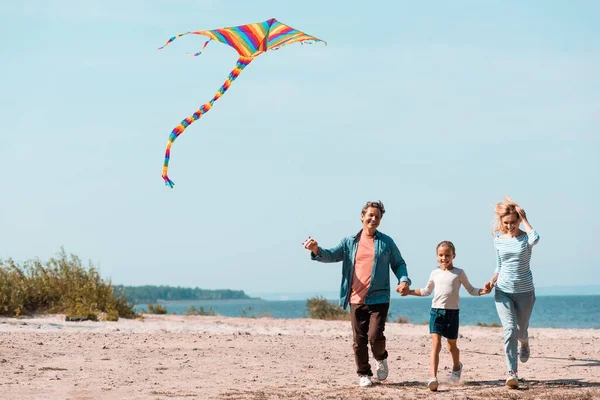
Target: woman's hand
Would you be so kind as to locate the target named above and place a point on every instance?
(518, 209)
(520, 212)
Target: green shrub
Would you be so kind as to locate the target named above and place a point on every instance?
(320, 308)
(247, 313)
(156, 309)
(60, 285)
(200, 311)
(111, 315)
(492, 325)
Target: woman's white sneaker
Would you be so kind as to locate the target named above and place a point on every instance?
(513, 380)
(524, 353)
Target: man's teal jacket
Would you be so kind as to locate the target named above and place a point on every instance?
(387, 256)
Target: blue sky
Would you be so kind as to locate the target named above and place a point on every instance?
(438, 109)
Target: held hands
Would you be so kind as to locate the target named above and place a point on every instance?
(487, 288)
(403, 289)
(312, 245)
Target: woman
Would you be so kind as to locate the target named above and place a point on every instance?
(515, 293)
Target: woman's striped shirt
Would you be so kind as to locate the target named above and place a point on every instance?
(514, 255)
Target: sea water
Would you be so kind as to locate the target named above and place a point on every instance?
(548, 312)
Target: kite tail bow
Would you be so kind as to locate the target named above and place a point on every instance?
(241, 63)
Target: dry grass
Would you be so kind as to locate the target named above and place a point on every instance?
(492, 325)
(320, 308)
(60, 285)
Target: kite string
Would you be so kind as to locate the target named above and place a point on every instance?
(241, 63)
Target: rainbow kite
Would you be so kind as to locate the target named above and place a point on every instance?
(249, 41)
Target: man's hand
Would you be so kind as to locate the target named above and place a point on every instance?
(403, 289)
(489, 285)
(312, 245)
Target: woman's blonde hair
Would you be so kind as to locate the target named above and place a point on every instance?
(502, 210)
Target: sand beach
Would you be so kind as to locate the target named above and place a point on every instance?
(198, 357)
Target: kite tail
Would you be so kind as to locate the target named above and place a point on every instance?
(173, 38)
(201, 50)
(242, 62)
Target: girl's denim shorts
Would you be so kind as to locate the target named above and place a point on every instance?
(444, 322)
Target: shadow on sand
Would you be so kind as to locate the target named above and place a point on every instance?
(526, 384)
(581, 362)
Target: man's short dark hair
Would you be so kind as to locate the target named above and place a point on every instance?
(374, 204)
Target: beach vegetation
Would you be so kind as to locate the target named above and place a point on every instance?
(63, 284)
(247, 313)
(200, 311)
(156, 308)
(321, 308)
(492, 325)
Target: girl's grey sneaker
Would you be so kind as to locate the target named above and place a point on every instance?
(455, 375)
(524, 353)
(432, 384)
(364, 381)
(513, 380)
(382, 369)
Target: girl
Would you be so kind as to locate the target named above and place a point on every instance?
(446, 280)
(515, 294)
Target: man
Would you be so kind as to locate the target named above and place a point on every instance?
(367, 258)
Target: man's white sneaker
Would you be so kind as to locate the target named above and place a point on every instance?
(455, 375)
(364, 381)
(513, 380)
(524, 353)
(432, 384)
(382, 369)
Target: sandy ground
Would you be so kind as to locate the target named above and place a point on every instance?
(193, 357)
